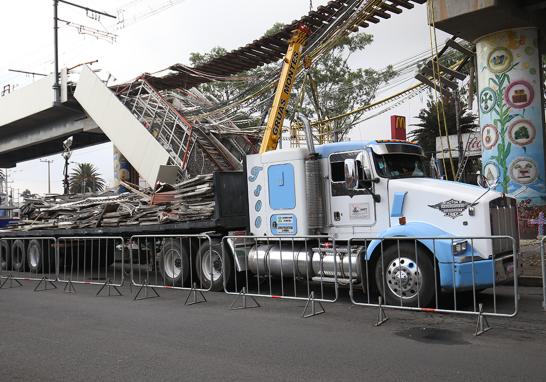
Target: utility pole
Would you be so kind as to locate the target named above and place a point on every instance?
(56, 85)
(48, 161)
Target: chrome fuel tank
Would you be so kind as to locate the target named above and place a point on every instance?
(292, 259)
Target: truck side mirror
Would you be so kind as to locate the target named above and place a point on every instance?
(351, 176)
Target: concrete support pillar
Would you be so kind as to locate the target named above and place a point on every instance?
(512, 118)
(123, 171)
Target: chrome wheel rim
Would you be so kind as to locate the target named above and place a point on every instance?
(173, 264)
(211, 264)
(404, 278)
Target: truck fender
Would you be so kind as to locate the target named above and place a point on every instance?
(440, 248)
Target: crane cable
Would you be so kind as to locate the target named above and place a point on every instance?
(436, 76)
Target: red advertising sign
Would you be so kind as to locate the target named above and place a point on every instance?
(398, 127)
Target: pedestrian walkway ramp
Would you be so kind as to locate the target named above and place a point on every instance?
(129, 134)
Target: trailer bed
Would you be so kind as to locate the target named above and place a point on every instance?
(230, 214)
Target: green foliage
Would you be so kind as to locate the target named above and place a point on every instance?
(340, 88)
(26, 194)
(427, 130)
(85, 178)
(502, 111)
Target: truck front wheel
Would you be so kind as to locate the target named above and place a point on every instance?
(211, 266)
(174, 263)
(405, 276)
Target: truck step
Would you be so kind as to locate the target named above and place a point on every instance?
(333, 280)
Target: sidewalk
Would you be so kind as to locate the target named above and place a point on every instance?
(530, 255)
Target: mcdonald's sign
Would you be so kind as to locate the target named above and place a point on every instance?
(398, 127)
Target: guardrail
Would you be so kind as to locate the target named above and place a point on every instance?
(28, 259)
(436, 274)
(184, 262)
(287, 268)
(91, 260)
(428, 274)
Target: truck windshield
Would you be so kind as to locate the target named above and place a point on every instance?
(400, 166)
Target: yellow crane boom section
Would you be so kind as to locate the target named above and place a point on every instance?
(291, 66)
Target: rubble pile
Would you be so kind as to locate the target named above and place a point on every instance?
(190, 200)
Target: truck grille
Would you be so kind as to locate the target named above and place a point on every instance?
(504, 221)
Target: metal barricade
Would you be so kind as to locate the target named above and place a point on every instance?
(543, 267)
(290, 268)
(185, 262)
(91, 260)
(28, 259)
(437, 274)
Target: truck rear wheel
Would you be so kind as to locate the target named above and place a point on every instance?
(37, 258)
(407, 275)
(211, 266)
(5, 256)
(174, 263)
(18, 256)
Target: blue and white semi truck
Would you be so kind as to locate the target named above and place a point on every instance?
(361, 192)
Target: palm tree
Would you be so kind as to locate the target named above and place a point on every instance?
(428, 129)
(85, 178)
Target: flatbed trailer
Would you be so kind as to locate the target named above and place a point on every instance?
(230, 214)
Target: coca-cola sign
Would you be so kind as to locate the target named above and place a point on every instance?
(472, 145)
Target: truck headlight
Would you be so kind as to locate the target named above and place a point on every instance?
(459, 247)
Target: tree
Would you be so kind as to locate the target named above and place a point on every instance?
(85, 178)
(26, 194)
(339, 88)
(428, 129)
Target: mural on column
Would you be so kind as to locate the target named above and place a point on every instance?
(121, 170)
(511, 116)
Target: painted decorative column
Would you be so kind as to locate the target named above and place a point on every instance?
(512, 119)
(122, 170)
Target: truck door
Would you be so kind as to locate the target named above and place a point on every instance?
(348, 207)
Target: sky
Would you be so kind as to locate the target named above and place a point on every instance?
(151, 41)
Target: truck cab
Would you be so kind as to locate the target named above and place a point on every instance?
(371, 190)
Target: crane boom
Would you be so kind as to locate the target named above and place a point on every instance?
(291, 65)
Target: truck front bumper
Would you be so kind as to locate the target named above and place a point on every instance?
(480, 273)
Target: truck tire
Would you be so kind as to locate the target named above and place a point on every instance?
(174, 263)
(5, 256)
(404, 281)
(18, 256)
(37, 258)
(219, 266)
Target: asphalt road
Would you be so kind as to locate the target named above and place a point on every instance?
(53, 336)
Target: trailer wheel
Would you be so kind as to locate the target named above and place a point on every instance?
(36, 256)
(210, 266)
(174, 263)
(408, 276)
(5, 256)
(18, 256)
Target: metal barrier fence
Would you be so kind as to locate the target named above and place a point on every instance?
(291, 268)
(436, 274)
(91, 260)
(185, 262)
(543, 267)
(29, 259)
